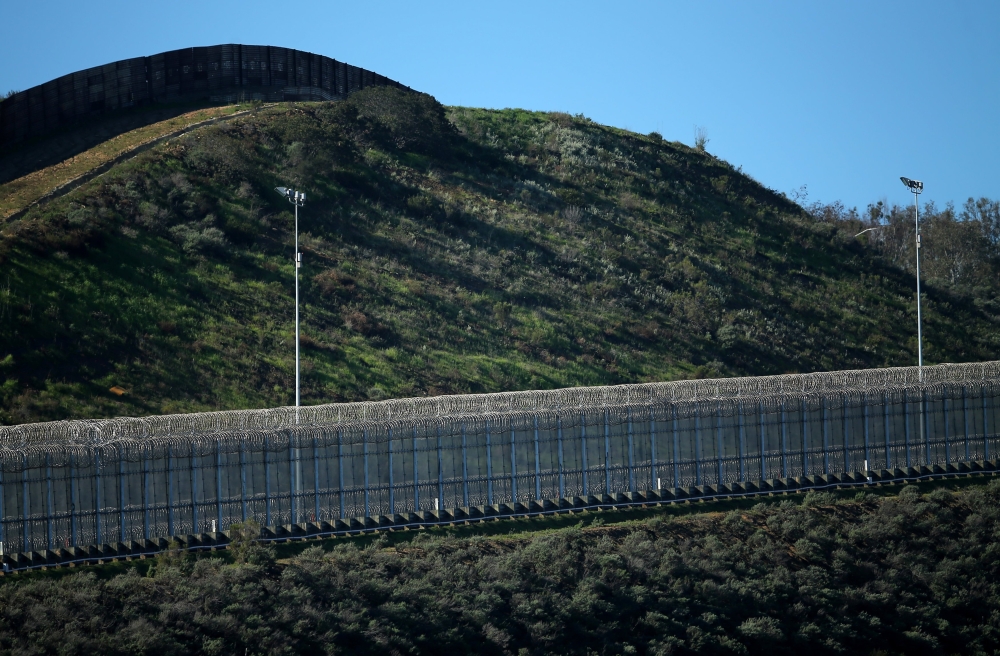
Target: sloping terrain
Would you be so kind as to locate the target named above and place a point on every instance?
(445, 250)
(21, 192)
(907, 574)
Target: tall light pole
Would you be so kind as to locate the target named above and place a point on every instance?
(916, 187)
(298, 199)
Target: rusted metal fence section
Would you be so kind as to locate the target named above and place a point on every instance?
(223, 74)
(76, 484)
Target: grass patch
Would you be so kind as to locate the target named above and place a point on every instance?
(17, 194)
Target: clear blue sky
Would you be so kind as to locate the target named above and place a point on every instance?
(843, 97)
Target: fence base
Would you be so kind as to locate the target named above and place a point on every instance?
(95, 554)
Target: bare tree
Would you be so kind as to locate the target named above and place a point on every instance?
(700, 137)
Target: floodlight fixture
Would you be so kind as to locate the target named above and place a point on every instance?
(916, 186)
(296, 198)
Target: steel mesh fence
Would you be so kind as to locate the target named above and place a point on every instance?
(76, 483)
(222, 74)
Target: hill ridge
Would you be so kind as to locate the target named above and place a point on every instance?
(447, 250)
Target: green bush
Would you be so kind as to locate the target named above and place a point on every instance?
(884, 576)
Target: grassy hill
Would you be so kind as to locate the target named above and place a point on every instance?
(17, 192)
(445, 250)
(911, 572)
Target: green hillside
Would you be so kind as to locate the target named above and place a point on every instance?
(445, 250)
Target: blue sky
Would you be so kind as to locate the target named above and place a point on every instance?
(843, 97)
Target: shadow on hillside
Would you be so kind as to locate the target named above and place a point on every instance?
(70, 141)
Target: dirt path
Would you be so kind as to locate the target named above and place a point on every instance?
(39, 187)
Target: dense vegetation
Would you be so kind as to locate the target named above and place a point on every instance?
(446, 250)
(960, 251)
(908, 574)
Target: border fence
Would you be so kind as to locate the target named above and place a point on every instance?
(75, 484)
(224, 74)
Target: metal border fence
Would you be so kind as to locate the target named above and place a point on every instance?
(224, 74)
(78, 483)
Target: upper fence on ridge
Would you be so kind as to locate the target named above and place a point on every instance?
(94, 432)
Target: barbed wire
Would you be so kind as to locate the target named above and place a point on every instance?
(726, 396)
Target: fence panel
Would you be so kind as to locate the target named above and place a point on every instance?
(83, 483)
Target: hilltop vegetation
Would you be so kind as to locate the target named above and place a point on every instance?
(446, 250)
(910, 574)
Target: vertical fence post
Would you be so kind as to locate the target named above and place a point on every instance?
(885, 414)
(49, 507)
(947, 437)
(26, 501)
(218, 483)
(538, 465)
(316, 514)
(631, 453)
(583, 453)
(965, 418)
(607, 454)
(392, 479)
(864, 405)
(805, 438)
(847, 449)
(364, 452)
(243, 478)
(677, 448)
(562, 473)
(826, 437)
(3, 522)
(925, 426)
(267, 484)
(784, 440)
(742, 437)
(986, 430)
(652, 448)
(97, 499)
(340, 470)
(697, 443)
(763, 445)
(718, 439)
(513, 466)
(170, 491)
(194, 494)
(416, 471)
(465, 469)
(73, 500)
(145, 494)
(293, 482)
(906, 426)
(489, 466)
(440, 468)
(121, 493)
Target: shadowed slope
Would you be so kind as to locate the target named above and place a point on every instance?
(446, 250)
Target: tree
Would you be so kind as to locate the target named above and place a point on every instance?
(700, 137)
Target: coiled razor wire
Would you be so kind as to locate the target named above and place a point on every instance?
(72, 483)
(726, 395)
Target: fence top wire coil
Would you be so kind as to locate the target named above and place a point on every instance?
(726, 394)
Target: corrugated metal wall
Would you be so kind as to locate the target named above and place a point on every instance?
(225, 73)
(65, 484)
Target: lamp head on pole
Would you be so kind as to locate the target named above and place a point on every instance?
(916, 186)
(294, 197)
